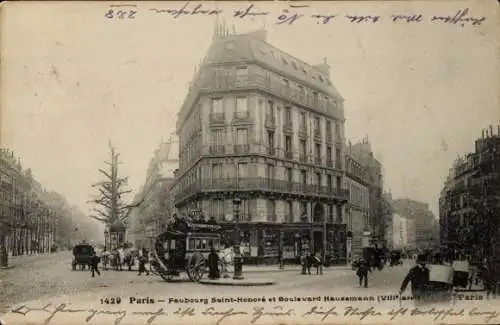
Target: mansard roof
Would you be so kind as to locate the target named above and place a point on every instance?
(252, 47)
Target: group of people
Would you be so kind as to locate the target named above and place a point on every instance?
(105, 255)
(418, 277)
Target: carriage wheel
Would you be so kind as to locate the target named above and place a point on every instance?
(196, 267)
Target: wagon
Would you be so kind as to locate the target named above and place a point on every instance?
(81, 255)
(184, 248)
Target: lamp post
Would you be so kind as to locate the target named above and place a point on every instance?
(238, 259)
(106, 234)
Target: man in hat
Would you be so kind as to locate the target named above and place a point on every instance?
(419, 278)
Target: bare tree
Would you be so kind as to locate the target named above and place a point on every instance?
(110, 205)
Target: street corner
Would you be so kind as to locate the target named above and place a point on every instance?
(245, 282)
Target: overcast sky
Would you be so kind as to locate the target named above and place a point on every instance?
(72, 80)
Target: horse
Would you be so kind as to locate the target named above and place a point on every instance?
(116, 261)
(106, 259)
(226, 259)
(129, 258)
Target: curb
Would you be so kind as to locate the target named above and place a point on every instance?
(238, 283)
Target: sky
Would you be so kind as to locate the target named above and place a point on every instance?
(73, 79)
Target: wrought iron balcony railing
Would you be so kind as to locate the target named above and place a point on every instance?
(262, 184)
(217, 149)
(241, 148)
(217, 117)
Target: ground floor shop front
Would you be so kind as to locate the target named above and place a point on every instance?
(268, 243)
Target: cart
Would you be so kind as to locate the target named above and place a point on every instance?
(184, 248)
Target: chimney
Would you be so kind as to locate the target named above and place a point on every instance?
(486, 132)
(491, 130)
(482, 136)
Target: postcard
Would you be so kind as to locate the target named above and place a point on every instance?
(284, 162)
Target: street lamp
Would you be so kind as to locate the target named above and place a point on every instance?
(238, 259)
(106, 234)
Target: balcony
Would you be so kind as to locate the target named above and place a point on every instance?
(270, 121)
(303, 158)
(217, 149)
(329, 137)
(288, 127)
(318, 161)
(329, 163)
(317, 134)
(241, 148)
(302, 131)
(262, 184)
(241, 115)
(288, 154)
(271, 151)
(217, 118)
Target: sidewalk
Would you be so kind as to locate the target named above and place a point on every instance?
(22, 259)
(288, 268)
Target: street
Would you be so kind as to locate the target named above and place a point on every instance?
(46, 277)
(47, 286)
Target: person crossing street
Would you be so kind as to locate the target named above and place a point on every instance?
(142, 264)
(362, 273)
(94, 264)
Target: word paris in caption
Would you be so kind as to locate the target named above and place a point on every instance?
(291, 14)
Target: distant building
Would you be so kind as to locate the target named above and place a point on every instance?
(400, 232)
(148, 218)
(264, 126)
(377, 224)
(358, 207)
(423, 219)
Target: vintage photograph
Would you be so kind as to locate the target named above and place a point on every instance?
(250, 163)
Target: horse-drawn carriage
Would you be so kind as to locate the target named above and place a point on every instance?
(81, 256)
(184, 247)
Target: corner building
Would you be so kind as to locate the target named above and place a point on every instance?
(263, 126)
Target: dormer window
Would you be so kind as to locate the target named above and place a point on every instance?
(284, 60)
(321, 78)
(304, 71)
(294, 65)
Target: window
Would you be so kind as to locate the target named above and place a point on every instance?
(241, 72)
(289, 174)
(242, 170)
(339, 183)
(318, 179)
(318, 150)
(303, 210)
(288, 115)
(270, 139)
(321, 78)
(303, 177)
(241, 137)
(316, 123)
(303, 147)
(329, 182)
(270, 171)
(271, 209)
(337, 158)
(315, 97)
(329, 128)
(330, 213)
(217, 171)
(294, 65)
(337, 131)
(303, 120)
(288, 143)
(217, 106)
(284, 60)
(289, 211)
(271, 109)
(241, 107)
(328, 153)
(217, 137)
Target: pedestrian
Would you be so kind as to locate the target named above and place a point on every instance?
(362, 273)
(94, 264)
(213, 265)
(303, 262)
(142, 265)
(419, 278)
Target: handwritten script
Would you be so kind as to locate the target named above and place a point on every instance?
(293, 14)
(221, 314)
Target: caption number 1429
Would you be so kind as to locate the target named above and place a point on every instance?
(121, 14)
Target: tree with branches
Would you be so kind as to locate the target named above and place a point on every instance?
(110, 204)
